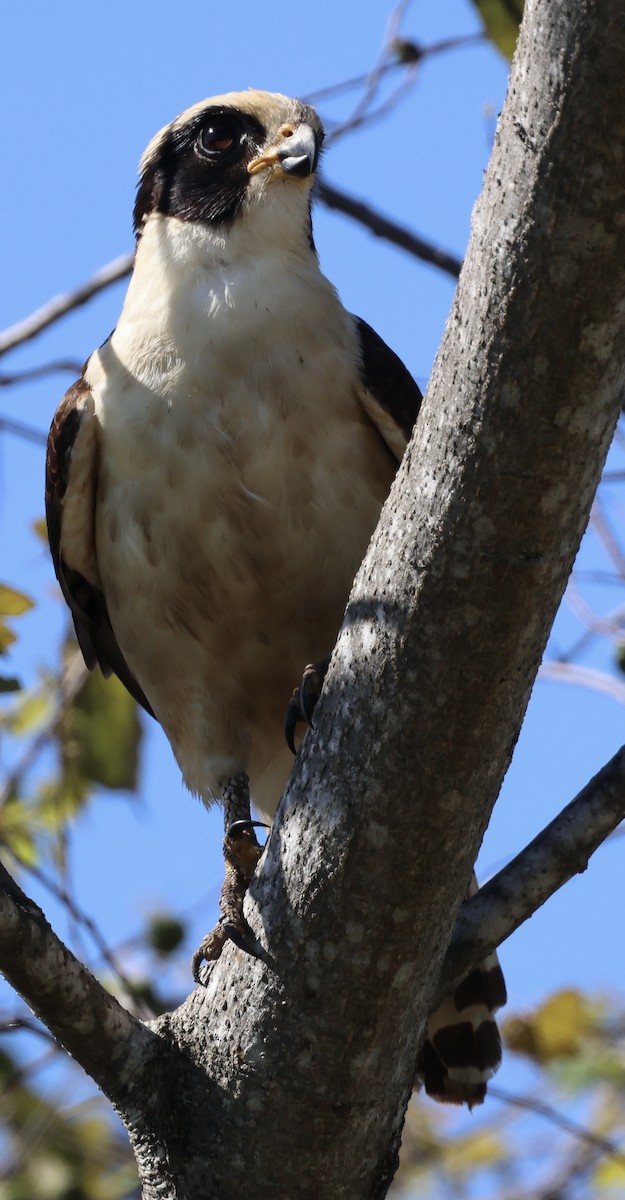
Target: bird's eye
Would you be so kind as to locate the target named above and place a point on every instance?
(218, 137)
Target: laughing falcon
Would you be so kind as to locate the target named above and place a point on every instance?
(233, 382)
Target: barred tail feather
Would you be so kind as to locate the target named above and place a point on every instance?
(462, 1049)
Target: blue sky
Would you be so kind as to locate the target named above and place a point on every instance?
(83, 89)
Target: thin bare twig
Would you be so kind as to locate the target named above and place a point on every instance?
(384, 227)
(560, 851)
(364, 113)
(141, 1009)
(59, 306)
(610, 626)
(21, 430)
(417, 51)
(589, 677)
(529, 1104)
(328, 194)
(69, 366)
(374, 77)
(572, 1171)
(11, 1024)
(369, 116)
(78, 1011)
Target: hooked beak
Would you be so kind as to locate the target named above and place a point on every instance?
(296, 153)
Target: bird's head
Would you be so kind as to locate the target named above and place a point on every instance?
(228, 155)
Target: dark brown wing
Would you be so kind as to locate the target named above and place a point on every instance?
(392, 398)
(71, 486)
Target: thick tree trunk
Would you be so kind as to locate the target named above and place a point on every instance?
(288, 1078)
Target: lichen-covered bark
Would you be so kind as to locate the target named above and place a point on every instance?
(288, 1078)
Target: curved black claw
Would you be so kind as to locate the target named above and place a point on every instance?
(209, 950)
(292, 718)
(238, 827)
(304, 699)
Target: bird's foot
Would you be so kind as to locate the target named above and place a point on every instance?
(241, 854)
(304, 699)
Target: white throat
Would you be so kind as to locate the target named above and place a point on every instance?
(189, 280)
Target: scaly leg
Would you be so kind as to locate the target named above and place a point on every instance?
(241, 854)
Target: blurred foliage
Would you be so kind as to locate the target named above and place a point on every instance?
(93, 729)
(165, 933)
(70, 734)
(501, 19)
(52, 1151)
(518, 1147)
(100, 736)
(554, 1030)
(13, 603)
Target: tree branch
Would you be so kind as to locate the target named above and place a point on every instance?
(580, 1132)
(559, 852)
(59, 306)
(374, 843)
(119, 268)
(81, 1014)
(69, 366)
(20, 429)
(589, 677)
(384, 227)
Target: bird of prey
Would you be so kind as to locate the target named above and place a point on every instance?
(214, 477)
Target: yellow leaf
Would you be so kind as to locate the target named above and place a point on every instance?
(610, 1173)
(7, 637)
(519, 1035)
(12, 602)
(41, 529)
(554, 1030)
(501, 19)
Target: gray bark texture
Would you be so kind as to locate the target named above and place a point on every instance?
(288, 1078)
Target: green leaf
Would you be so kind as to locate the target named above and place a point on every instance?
(31, 712)
(100, 736)
(12, 602)
(58, 801)
(501, 19)
(165, 933)
(17, 831)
